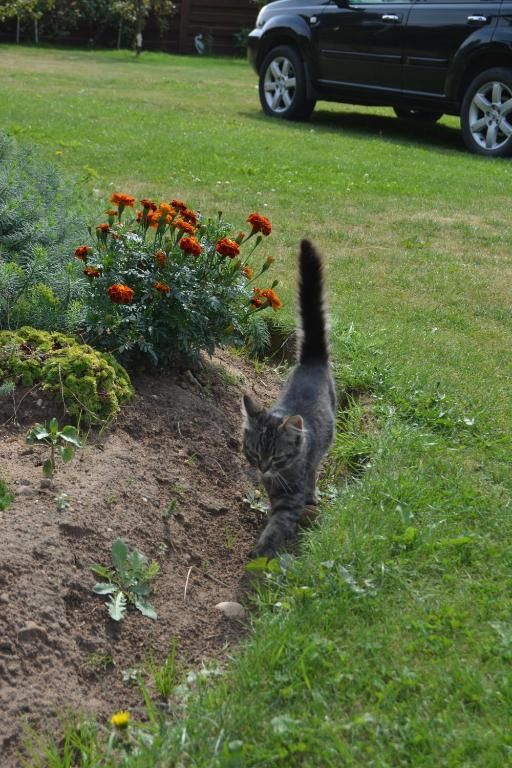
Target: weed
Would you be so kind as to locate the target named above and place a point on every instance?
(99, 662)
(170, 510)
(5, 496)
(61, 502)
(110, 499)
(61, 442)
(165, 676)
(129, 581)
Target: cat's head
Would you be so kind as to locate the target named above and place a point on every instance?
(271, 443)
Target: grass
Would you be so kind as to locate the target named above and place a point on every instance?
(389, 641)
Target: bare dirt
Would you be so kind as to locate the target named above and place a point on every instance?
(177, 442)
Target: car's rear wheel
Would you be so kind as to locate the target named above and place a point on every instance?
(283, 85)
(486, 113)
(418, 115)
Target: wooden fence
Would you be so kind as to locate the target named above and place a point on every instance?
(217, 21)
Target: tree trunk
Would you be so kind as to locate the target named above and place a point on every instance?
(36, 32)
(18, 26)
(119, 34)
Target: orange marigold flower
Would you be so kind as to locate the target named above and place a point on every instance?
(272, 298)
(162, 287)
(227, 247)
(139, 216)
(110, 213)
(189, 216)
(103, 227)
(92, 272)
(184, 225)
(82, 251)
(118, 198)
(179, 204)
(148, 204)
(120, 294)
(266, 293)
(248, 272)
(259, 223)
(190, 245)
(166, 208)
(160, 258)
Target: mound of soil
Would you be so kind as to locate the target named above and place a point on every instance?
(170, 480)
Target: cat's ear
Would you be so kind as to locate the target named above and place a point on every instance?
(295, 422)
(250, 408)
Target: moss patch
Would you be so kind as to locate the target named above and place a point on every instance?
(92, 384)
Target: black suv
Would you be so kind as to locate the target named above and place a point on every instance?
(424, 58)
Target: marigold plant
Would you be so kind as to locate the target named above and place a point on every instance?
(166, 282)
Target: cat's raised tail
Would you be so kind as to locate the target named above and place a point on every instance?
(313, 348)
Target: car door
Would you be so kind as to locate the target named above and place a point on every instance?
(436, 31)
(360, 43)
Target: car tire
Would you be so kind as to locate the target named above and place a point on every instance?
(486, 113)
(283, 85)
(418, 115)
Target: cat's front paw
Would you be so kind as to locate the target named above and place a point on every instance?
(262, 550)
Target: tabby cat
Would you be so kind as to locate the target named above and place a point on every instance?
(288, 441)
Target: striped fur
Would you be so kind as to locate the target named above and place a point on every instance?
(288, 441)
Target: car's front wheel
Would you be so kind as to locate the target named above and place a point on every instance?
(486, 113)
(283, 85)
(418, 115)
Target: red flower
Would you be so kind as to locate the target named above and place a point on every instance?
(189, 216)
(259, 224)
(227, 247)
(162, 287)
(166, 208)
(272, 298)
(120, 294)
(190, 245)
(148, 204)
(126, 201)
(248, 272)
(82, 251)
(92, 272)
(179, 204)
(184, 225)
(103, 227)
(160, 258)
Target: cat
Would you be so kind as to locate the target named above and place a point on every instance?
(288, 441)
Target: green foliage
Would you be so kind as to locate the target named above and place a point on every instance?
(128, 581)
(5, 496)
(39, 284)
(171, 284)
(165, 676)
(61, 442)
(92, 385)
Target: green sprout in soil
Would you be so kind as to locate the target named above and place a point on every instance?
(61, 442)
(128, 581)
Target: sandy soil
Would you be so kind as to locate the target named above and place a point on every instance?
(177, 441)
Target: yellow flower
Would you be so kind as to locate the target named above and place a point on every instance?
(120, 719)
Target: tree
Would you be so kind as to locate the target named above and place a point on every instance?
(134, 13)
(25, 9)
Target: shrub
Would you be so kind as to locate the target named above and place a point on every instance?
(170, 283)
(39, 284)
(91, 384)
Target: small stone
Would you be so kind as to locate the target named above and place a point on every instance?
(39, 403)
(24, 490)
(46, 482)
(24, 481)
(4, 597)
(231, 610)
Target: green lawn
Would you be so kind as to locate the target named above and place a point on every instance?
(388, 642)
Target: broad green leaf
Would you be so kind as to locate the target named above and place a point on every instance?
(119, 556)
(101, 570)
(104, 588)
(145, 608)
(66, 453)
(116, 606)
(38, 432)
(48, 468)
(70, 434)
(263, 565)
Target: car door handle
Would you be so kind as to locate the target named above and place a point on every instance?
(391, 18)
(477, 19)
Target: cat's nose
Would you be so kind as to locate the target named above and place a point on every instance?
(264, 466)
